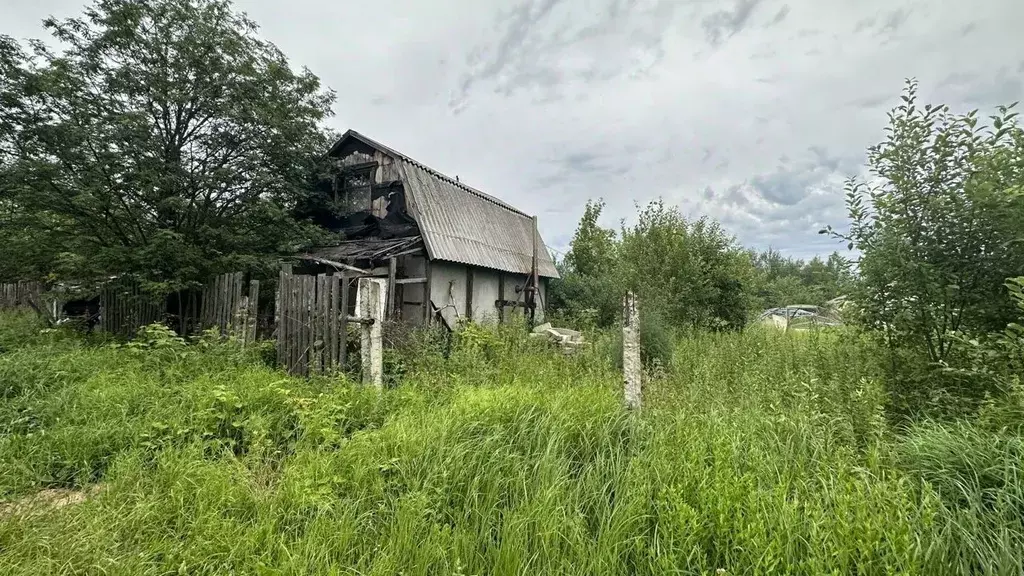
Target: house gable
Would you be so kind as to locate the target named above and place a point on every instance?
(458, 223)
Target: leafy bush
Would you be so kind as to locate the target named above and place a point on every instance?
(656, 342)
(691, 271)
(939, 231)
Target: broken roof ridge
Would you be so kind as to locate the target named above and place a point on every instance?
(436, 173)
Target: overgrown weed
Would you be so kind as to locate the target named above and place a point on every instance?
(757, 452)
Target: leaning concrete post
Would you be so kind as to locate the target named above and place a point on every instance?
(631, 351)
(372, 295)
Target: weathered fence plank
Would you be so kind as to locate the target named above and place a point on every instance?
(295, 323)
(21, 295)
(313, 318)
(252, 309)
(343, 323)
(333, 321)
(305, 327)
(319, 324)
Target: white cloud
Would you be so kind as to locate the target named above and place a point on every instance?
(767, 104)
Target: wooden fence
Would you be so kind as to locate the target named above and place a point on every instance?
(124, 307)
(20, 295)
(227, 307)
(312, 323)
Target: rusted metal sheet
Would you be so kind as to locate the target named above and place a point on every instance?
(460, 223)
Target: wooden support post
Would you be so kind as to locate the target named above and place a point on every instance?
(426, 292)
(631, 371)
(534, 278)
(372, 293)
(294, 322)
(334, 322)
(280, 322)
(239, 282)
(501, 298)
(469, 293)
(392, 272)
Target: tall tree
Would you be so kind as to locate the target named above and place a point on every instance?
(939, 227)
(167, 139)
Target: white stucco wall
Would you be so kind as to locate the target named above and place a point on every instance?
(448, 283)
(485, 293)
(448, 290)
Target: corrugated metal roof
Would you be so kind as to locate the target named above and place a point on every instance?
(462, 224)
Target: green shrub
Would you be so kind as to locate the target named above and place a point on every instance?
(656, 342)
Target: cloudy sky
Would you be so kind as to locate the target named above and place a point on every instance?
(752, 112)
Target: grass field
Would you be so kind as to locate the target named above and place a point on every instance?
(757, 453)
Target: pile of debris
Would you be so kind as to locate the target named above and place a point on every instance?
(568, 340)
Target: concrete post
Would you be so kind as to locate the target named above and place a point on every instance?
(631, 370)
(372, 297)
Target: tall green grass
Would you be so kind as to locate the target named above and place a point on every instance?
(757, 453)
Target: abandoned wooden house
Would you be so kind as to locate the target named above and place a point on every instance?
(450, 252)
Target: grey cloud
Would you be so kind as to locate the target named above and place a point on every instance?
(870, 102)
(517, 25)
(785, 188)
(760, 224)
(734, 196)
(581, 162)
(891, 23)
(780, 15)
(622, 40)
(974, 90)
(1005, 89)
(958, 79)
(764, 52)
(894, 21)
(723, 24)
(844, 165)
(864, 24)
(521, 21)
(793, 183)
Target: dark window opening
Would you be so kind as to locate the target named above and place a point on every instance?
(355, 189)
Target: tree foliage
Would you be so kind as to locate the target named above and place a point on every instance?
(785, 281)
(939, 226)
(166, 139)
(690, 272)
